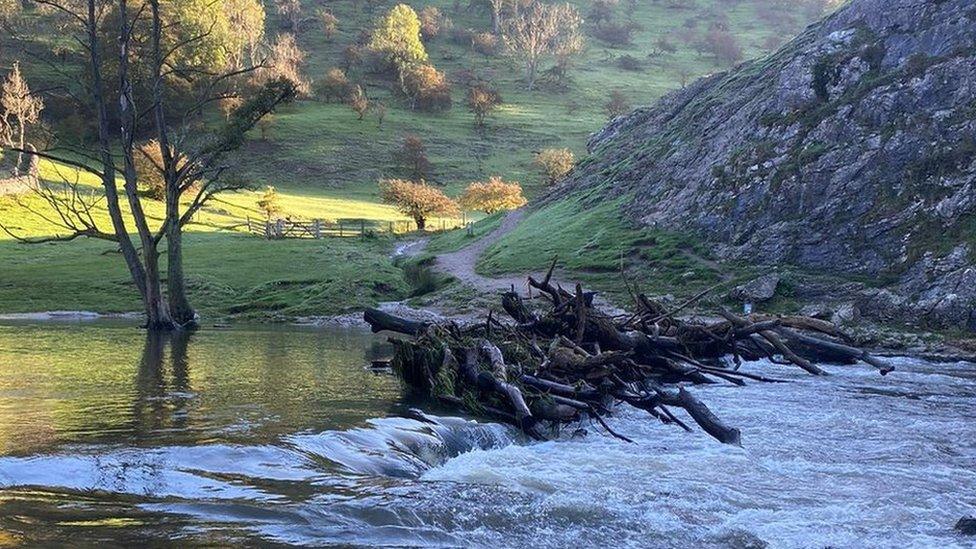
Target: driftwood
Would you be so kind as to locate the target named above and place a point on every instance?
(568, 362)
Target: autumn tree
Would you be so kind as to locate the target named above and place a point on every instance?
(493, 196)
(482, 101)
(335, 85)
(330, 24)
(419, 201)
(269, 203)
(397, 38)
(555, 164)
(617, 104)
(9, 9)
(358, 102)
(20, 110)
(431, 21)
(285, 62)
(427, 88)
(411, 157)
(539, 32)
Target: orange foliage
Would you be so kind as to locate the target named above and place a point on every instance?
(418, 201)
(493, 196)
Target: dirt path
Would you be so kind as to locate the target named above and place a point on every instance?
(461, 264)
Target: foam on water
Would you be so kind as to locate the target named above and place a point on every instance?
(852, 460)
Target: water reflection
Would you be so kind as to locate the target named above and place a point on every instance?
(113, 383)
(163, 398)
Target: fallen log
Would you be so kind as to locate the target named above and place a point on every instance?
(562, 361)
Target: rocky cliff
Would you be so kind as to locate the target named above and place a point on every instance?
(850, 151)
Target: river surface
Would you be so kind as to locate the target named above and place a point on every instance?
(266, 436)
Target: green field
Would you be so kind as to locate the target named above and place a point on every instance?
(325, 164)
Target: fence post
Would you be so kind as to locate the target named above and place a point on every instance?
(280, 228)
(340, 228)
(317, 227)
(391, 228)
(248, 224)
(362, 228)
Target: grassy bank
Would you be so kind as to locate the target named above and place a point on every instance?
(228, 275)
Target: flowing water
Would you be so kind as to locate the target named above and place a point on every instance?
(262, 436)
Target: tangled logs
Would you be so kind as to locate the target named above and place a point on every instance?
(567, 361)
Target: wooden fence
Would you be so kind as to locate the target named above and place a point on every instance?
(342, 228)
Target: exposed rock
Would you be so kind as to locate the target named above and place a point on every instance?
(966, 526)
(757, 290)
(850, 151)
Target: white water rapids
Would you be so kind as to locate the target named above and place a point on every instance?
(851, 460)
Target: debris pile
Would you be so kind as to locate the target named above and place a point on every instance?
(558, 359)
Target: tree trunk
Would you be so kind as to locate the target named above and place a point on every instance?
(421, 223)
(179, 303)
(180, 310)
(126, 246)
(157, 310)
(22, 137)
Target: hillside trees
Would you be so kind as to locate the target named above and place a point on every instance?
(431, 22)
(492, 196)
(412, 158)
(482, 101)
(330, 24)
(555, 164)
(358, 102)
(335, 85)
(284, 62)
(617, 104)
(539, 32)
(419, 201)
(190, 160)
(427, 88)
(397, 38)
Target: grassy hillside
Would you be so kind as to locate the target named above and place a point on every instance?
(325, 163)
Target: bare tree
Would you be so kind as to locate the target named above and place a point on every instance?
(190, 158)
(540, 31)
(19, 110)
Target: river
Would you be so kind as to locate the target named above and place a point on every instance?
(262, 435)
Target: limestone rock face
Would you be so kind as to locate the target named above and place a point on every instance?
(850, 151)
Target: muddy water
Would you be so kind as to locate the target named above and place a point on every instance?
(255, 435)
